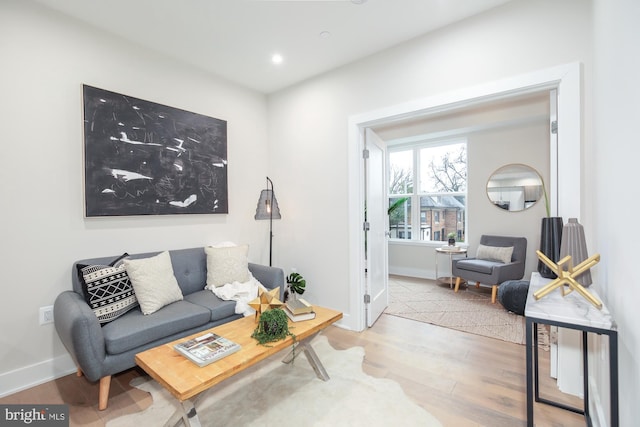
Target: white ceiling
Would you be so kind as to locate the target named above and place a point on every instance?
(235, 39)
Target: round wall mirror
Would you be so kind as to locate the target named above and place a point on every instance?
(514, 187)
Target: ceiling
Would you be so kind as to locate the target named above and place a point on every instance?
(516, 109)
(236, 39)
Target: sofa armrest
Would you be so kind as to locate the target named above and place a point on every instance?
(270, 277)
(80, 332)
(511, 271)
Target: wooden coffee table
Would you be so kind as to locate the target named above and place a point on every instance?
(187, 381)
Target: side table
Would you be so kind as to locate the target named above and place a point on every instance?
(451, 251)
(574, 312)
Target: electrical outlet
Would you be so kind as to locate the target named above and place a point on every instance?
(46, 315)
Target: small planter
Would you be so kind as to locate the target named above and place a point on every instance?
(272, 326)
(296, 285)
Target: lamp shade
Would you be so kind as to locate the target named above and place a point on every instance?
(267, 206)
(574, 244)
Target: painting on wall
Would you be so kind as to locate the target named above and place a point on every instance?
(143, 158)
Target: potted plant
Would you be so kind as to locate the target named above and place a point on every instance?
(295, 285)
(452, 238)
(272, 326)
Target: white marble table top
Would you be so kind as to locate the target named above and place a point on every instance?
(572, 308)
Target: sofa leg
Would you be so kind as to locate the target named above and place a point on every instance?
(103, 397)
(494, 292)
(478, 285)
(455, 289)
(79, 373)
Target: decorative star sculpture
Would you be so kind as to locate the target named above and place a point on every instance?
(266, 301)
(568, 277)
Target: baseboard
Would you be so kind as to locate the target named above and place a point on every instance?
(31, 376)
(345, 323)
(412, 272)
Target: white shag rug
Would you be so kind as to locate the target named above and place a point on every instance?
(276, 394)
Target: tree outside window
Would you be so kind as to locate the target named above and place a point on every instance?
(427, 191)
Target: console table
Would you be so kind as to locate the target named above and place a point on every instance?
(574, 312)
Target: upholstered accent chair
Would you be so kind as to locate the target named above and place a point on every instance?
(498, 259)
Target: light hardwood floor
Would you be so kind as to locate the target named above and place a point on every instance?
(462, 379)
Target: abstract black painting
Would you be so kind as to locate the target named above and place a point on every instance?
(143, 158)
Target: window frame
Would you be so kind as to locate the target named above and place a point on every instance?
(415, 215)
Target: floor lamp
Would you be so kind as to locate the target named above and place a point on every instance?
(268, 209)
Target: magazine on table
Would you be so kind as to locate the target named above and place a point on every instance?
(206, 348)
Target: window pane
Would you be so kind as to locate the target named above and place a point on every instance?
(443, 168)
(400, 217)
(441, 214)
(401, 172)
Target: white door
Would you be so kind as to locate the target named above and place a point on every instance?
(376, 280)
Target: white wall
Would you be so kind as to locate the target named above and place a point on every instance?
(45, 61)
(612, 183)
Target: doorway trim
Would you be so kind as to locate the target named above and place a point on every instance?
(564, 185)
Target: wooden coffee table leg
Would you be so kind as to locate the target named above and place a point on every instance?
(310, 354)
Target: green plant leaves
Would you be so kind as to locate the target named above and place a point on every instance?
(273, 325)
(296, 283)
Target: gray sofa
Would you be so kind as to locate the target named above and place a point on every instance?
(101, 351)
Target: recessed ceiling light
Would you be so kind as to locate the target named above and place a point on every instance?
(277, 58)
(325, 34)
(358, 1)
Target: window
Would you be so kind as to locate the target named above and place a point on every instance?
(427, 191)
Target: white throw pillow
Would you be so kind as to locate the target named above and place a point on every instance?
(227, 265)
(223, 245)
(495, 253)
(153, 281)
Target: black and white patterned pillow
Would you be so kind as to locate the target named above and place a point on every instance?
(107, 289)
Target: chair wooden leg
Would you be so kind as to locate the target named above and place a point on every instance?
(494, 292)
(103, 397)
(455, 289)
(478, 285)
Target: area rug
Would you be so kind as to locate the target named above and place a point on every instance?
(276, 394)
(468, 310)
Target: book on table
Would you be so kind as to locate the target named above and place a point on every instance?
(298, 306)
(299, 317)
(206, 348)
